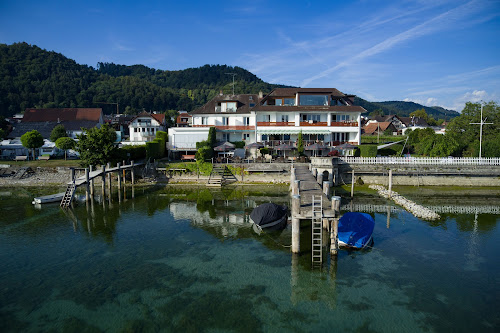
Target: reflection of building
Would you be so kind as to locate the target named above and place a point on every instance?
(321, 114)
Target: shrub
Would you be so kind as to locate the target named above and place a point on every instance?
(153, 149)
(204, 153)
(368, 150)
(132, 152)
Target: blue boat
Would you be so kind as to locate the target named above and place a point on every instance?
(355, 230)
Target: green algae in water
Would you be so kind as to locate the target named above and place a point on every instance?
(187, 260)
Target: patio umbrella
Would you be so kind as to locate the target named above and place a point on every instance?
(254, 145)
(224, 147)
(345, 146)
(315, 147)
(284, 147)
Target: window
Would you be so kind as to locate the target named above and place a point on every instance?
(340, 137)
(246, 121)
(284, 101)
(284, 118)
(341, 117)
(311, 117)
(225, 121)
(313, 99)
(225, 137)
(252, 105)
(286, 136)
(246, 136)
(204, 120)
(230, 107)
(264, 137)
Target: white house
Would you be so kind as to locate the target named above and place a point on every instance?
(322, 115)
(143, 128)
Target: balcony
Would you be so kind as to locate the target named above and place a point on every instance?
(275, 123)
(344, 123)
(313, 123)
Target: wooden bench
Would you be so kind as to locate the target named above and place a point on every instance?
(21, 158)
(188, 157)
(44, 158)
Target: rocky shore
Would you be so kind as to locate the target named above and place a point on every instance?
(416, 209)
(20, 176)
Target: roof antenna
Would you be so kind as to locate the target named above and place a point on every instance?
(233, 74)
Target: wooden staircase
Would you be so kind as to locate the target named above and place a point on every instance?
(68, 195)
(317, 230)
(220, 175)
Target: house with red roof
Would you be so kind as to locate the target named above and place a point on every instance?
(144, 126)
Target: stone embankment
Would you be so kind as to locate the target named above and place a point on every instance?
(410, 206)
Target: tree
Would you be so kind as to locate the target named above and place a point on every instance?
(96, 145)
(32, 140)
(420, 114)
(300, 144)
(58, 132)
(212, 137)
(65, 143)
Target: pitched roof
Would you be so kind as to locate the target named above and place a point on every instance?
(64, 114)
(160, 117)
(244, 102)
(414, 121)
(381, 127)
(284, 92)
(385, 118)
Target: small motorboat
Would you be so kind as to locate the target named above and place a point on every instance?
(270, 216)
(48, 198)
(355, 230)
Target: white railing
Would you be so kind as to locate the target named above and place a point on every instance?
(423, 160)
(181, 145)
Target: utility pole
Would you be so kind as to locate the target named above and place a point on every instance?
(117, 111)
(233, 74)
(481, 129)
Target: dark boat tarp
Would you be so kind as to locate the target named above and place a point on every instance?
(356, 229)
(267, 213)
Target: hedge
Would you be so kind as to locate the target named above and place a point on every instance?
(368, 150)
(153, 149)
(132, 152)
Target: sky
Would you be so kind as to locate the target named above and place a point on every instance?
(433, 52)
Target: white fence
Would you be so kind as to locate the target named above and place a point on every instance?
(423, 160)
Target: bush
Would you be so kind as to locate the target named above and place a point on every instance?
(153, 149)
(161, 138)
(368, 150)
(239, 144)
(203, 143)
(133, 153)
(264, 151)
(204, 153)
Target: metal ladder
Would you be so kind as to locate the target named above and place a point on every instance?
(317, 230)
(68, 195)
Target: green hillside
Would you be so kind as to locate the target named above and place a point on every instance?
(33, 77)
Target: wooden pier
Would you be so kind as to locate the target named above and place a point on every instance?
(311, 201)
(88, 180)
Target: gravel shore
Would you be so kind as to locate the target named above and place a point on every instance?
(13, 176)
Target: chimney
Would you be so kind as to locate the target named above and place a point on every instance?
(220, 93)
(261, 94)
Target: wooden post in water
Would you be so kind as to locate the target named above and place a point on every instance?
(319, 178)
(124, 173)
(87, 189)
(103, 183)
(326, 188)
(91, 182)
(295, 223)
(132, 173)
(336, 205)
(390, 183)
(353, 180)
(72, 174)
(119, 177)
(296, 187)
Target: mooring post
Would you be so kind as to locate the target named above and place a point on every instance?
(326, 188)
(108, 166)
(91, 182)
(132, 173)
(319, 178)
(390, 183)
(72, 174)
(124, 170)
(336, 205)
(295, 223)
(87, 189)
(296, 187)
(119, 177)
(353, 180)
(103, 182)
(334, 237)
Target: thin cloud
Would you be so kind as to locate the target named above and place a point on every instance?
(437, 23)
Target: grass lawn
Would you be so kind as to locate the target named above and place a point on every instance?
(49, 163)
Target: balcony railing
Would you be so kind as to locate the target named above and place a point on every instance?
(313, 123)
(275, 123)
(344, 123)
(229, 128)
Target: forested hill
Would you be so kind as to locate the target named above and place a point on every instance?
(33, 77)
(404, 109)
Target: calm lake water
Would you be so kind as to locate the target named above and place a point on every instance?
(187, 260)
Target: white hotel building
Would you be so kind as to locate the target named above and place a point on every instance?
(322, 115)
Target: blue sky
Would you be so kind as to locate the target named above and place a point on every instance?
(429, 51)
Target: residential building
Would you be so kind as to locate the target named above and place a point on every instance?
(374, 128)
(184, 119)
(44, 121)
(322, 115)
(143, 128)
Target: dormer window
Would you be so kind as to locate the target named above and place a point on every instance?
(227, 107)
(318, 100)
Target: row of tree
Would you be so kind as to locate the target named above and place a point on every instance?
(33, 77)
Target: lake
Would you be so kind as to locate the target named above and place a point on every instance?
(187, 260)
